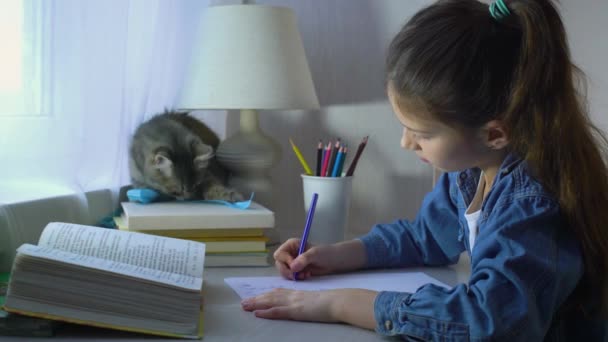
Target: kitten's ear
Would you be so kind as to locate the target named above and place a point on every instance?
(205, 154)
(162, 162)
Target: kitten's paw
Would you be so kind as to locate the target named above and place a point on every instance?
(219, 192)
(236, 196)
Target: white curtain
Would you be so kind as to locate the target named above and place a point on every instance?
(105, 66)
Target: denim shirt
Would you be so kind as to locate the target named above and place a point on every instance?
(524, 265)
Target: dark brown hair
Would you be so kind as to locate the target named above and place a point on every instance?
(467, 68)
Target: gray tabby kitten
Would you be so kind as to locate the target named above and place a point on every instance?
(173, 153)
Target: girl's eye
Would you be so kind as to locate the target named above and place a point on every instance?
(420, 137)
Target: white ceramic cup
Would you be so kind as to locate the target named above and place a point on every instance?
(331, 214)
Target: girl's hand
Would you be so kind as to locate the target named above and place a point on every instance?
(315, 261)
(319, 260)
(352, 306)
(292, 304)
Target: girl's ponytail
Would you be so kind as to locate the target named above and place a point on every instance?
(550, 128)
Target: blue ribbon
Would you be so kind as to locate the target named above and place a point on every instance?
(146, 196)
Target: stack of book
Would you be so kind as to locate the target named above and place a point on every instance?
(232, 237)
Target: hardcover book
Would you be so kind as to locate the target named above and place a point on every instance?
(179, 215)
(233, 245)
(19, 325)
(110, 278)
(237, 259)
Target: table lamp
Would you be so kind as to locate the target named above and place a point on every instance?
(248, 57)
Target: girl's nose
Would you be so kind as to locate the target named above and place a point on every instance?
(407, 140)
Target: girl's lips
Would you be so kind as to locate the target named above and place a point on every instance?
(424, 160)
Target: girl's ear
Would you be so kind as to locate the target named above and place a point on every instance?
(495, 135)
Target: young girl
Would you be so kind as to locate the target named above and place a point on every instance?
(487, 94)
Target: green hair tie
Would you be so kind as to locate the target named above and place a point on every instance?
(498, 10)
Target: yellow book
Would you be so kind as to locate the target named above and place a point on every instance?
(227, 245)
(110, 278)
(230, 239)
(238, 259)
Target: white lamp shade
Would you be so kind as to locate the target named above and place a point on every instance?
(248, 57)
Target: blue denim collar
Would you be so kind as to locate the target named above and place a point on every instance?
(508, 164)
(469, 178)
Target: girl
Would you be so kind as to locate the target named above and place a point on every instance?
(487, 94)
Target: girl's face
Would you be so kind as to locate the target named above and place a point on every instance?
(442, 146)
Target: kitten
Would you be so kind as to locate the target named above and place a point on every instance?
(173, 153)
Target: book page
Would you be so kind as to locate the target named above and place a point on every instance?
(128, 270)
(149, 251)
(383, 280)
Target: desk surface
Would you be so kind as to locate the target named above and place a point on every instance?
(226, 321)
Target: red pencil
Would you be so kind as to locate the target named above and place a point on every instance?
(326, 159)
(329, 166)
(353, 164)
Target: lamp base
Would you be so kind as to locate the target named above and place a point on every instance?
(248, 155)
(247, 183)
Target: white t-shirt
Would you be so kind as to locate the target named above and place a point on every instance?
(474, 211)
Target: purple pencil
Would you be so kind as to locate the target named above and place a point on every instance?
(309, 218)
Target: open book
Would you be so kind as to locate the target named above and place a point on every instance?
(110, 278)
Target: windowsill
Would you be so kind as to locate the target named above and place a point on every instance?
(32, 190)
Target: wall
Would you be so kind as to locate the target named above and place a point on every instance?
(345, 42)
(586, 22)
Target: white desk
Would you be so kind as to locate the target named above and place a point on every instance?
(225, 320)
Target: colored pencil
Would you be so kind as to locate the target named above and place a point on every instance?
(330, 152)
(353, 164)
(341, 166)
(296, 150)
(334, 156)
(323, 160)
(309, 218)
(319, 158)
(339, 160)
(326, 160)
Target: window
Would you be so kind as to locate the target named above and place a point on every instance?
(21, 58)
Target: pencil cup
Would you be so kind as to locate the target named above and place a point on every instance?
(331, 214)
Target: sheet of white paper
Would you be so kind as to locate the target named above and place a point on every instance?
(385, 280)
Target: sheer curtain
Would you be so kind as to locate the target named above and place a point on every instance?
(105, 66)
